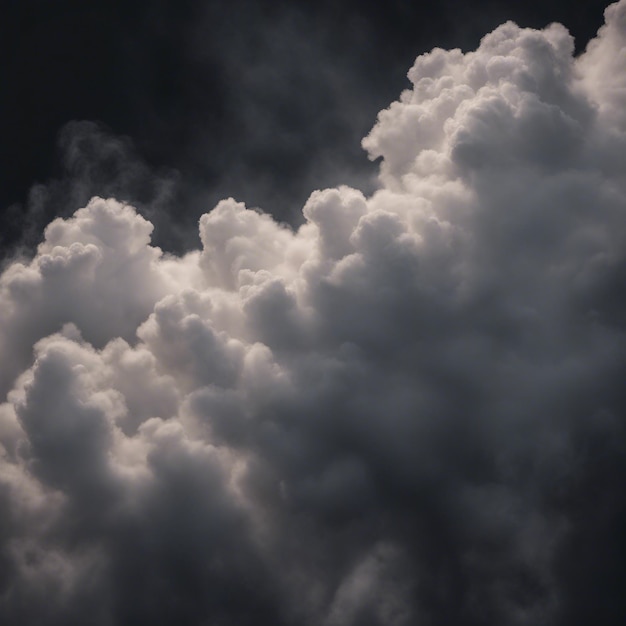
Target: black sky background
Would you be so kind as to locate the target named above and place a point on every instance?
(190, 101)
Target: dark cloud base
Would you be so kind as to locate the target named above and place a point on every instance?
(409, 409)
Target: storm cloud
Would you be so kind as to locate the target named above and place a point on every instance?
(409, 410)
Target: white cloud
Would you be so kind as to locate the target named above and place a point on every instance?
(239, 435)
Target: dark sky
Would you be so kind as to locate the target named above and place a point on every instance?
(196, 101)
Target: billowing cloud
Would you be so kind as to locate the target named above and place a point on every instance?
(408, 411)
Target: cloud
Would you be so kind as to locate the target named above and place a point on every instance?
(96, 162)
(407, 411)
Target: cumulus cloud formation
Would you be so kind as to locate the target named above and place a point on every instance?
(408, 411)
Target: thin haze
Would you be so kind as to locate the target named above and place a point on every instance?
(408, 410)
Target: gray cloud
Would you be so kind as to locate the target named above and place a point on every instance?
(407, 411)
